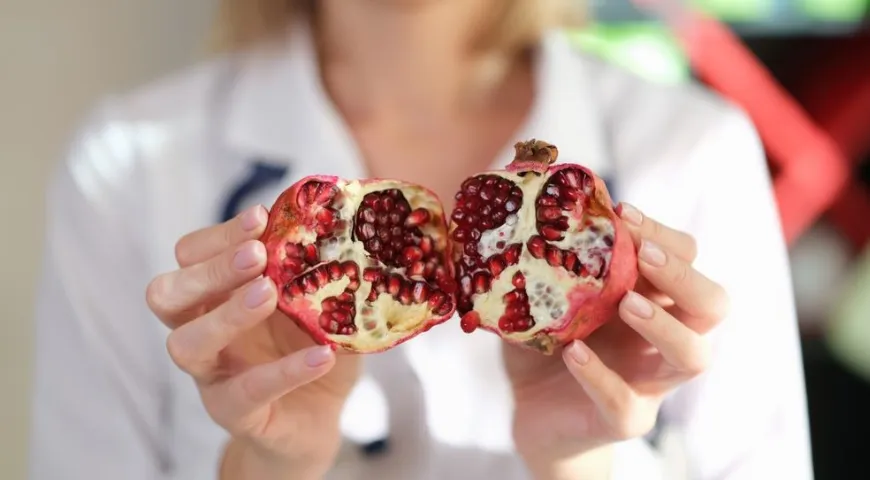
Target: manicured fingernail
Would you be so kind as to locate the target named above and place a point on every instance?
(652, 254)
(637, 305)
(252, 218)
(630, 214)
(318, 356)
(249, 256)
(258, 293)
(579, 352)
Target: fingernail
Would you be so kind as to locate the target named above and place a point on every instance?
(252, 218)
(579, 352)
(248, 256)
(258, 293)
(630, 214)
(652, 254)
(318, 356)
(637, 305)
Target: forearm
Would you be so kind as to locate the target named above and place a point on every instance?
(241, 462)
(590, 465)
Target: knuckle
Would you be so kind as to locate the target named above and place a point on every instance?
(178, 351)
(156, 293)
(680, 272)
(654, 228)
(636, 423)
(183, 254)
(698, 360)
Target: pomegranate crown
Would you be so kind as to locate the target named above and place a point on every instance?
(533, 155)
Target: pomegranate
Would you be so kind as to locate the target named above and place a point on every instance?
(360, 265)
(540, 255)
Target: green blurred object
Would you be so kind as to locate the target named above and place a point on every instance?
(848, 333)
(834, 10)
(738, 10)
(647, 49)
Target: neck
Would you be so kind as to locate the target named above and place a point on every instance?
(407, 56)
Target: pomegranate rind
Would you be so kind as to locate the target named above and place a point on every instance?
(288, 222)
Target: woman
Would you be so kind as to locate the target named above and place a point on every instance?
(357, 88)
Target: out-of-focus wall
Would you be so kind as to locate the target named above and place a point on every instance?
(56, 58)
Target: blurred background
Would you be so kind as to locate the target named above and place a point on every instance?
(800, 67)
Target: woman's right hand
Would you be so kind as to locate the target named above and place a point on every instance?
(260, 377)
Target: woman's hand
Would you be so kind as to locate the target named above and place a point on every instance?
(260, 377)
(610, 388)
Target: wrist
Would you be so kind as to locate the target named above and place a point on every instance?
(590, 464)
(242, 460)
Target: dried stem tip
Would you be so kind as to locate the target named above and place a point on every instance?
(534, 155)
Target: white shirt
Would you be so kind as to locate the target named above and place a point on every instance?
(150, 165)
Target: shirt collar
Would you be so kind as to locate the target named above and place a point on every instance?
(279, 111)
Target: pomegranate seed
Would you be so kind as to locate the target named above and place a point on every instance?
(465, 286)
(512, 254)
(496, 265)
(294, 250)
(417, 217)
(321, 276)
(294, 265)
(405, 295)
(445, 308)
(481, 282)
(470, 321)
(426, 245)
(334, 271)
(554, 257)
(411, 255)
(366, 231)
(371, 274)
(436, 300)
(345, 297)
(353, 285)
(512, 297)
(294, 289)
(420, 292)
(309, 284)
(325, 216)
(537, 245)
(417, 269)
(551, 233)
(569, 178)
(511, 206)
(394, 284)
(548, 201)
(548, 214)
(571, 262)
(329, 304)
(311, 254)
(350, 269)
(519, 280)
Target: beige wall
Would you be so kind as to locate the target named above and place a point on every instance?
(56, 57)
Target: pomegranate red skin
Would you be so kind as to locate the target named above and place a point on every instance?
(590, 309)
(288, 220)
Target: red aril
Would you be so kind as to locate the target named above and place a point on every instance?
(361, 265)
(540, 256)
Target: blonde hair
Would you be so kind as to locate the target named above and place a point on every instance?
(518, 25)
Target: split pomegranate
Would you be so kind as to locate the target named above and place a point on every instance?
(540, 256)
(360, 265)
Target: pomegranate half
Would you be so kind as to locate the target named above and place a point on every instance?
(360, 265)
(540, 256)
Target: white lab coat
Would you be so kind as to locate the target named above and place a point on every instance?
(153, 164)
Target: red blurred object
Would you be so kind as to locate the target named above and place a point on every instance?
(810, 168)
(836, 91)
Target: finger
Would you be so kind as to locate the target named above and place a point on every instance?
(642, 227)
(177, 296)
(261, 385)
(196, 345)
(702, 298)
(681, 347)
(626, 413)
(203, 244)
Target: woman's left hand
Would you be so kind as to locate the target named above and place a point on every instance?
(610, 388)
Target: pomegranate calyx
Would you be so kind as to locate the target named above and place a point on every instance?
(533, 155)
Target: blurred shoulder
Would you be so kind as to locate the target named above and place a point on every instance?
(673, 122)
